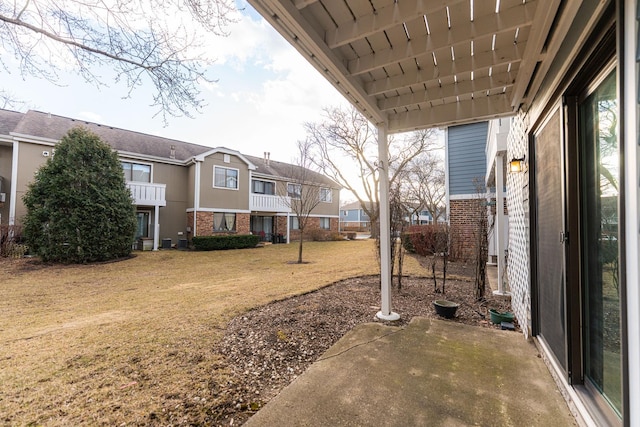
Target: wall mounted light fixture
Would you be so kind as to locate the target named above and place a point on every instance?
(517, 165)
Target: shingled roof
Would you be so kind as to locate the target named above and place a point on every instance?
(45, 125)
(50, 126)
(287, 170)
(9, 120)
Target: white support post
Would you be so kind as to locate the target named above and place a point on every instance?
(385, 312)
(288, 227)
(498, 227)
(156, 227)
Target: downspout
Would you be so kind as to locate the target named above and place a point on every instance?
(196, 198)
(385, 232)
(446, 174)
(498, 227)
(156, 227)
(13, 200)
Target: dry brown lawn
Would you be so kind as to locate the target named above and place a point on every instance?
(128, 342)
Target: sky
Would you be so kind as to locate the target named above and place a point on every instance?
(264, 93)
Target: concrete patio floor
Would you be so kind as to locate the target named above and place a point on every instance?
(429, 373)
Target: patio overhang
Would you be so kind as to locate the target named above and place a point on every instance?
(417, 64)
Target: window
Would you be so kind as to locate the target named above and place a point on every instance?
(263, 187)
(225, 177)
(294, 190)
(325, 195)
(135, 172)
(294, 223)
(224, 221)
(325, 223)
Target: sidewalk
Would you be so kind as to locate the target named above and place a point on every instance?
(430, 373)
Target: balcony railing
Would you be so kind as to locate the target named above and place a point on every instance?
(267, 203)
(145, 194)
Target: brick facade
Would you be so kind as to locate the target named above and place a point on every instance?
(314, 232)
(204, 225)
(464, 226)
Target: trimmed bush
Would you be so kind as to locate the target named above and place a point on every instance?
(217, 243)
(79, 208)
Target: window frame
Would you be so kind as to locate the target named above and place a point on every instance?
(224, 221)
(131, 164)
(294, 223)
(328, 192)
(328, 221)
(263, 181)
(296, 196)
(237, 171)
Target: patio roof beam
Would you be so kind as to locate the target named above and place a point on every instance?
(440, 41)
(473, 110)
(542, 22)
(301, 4)
(416, 76)
(384, 18)
(429, 94)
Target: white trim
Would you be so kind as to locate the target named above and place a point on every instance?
(632, 207)
(34, 139)
(221, 210)
(471, 196)
(149, 158)
(446, 175)
(139, 163)
(224, 150)
(14, 182)
(253, 177)
(196, 198)
(579, 410)
(237, 187)
(330, 195)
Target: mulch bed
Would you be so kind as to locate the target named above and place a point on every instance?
(269, 347)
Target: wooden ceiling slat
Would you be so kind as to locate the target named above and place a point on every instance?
(512, 54)
(482, 108)
(464, 87)
(441, 38)
(394, 14)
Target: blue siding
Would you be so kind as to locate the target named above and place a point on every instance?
(351, 215)
(467, 160)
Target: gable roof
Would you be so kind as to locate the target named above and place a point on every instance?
(288, 170)
(52, 127)
(45, 125)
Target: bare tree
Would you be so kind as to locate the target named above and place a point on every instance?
(9, 101)
(345, 141)
(425, 184)
(304, 192)
(150, 40)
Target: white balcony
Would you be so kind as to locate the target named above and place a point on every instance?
(145, 194)
(267, 203)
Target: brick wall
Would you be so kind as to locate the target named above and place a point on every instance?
(205, 223)
(314, 232)
(464, 227)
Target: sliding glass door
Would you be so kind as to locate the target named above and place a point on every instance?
(600, 172)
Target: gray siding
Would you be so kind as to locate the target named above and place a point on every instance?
(466, 157)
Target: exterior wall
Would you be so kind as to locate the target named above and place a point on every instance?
(29, 161)
(205, 224)
(172, 216)
(466, 157)
(518, 266)
(314, 232)
(6, 157)
(191, 177)
(463, 221)
(223, 198)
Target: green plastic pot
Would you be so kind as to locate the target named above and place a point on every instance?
(498, 317)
